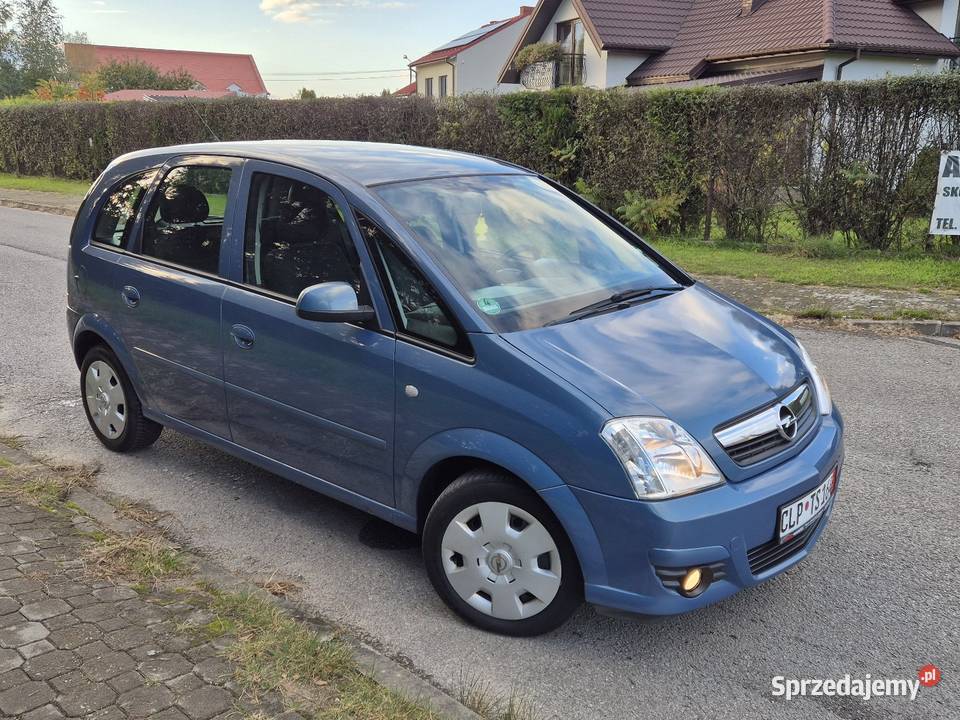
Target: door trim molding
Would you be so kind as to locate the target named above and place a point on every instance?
(330, 425)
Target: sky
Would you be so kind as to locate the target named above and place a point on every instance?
(336, 47)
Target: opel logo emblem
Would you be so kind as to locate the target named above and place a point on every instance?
(787, 424)
(499, 563)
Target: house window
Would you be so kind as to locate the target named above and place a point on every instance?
(428, 87)
(443, 86)
(571, 38)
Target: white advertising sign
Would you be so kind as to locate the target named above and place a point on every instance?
(946, 208)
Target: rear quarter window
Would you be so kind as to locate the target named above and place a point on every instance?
(116, 217)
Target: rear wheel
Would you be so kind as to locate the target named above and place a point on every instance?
(497, 556)
(111, 404)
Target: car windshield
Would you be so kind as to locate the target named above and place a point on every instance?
(518, 249)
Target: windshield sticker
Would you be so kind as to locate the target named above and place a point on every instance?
(489, 306)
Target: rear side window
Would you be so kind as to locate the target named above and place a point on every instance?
(295, 237)
(115, 222)
(184, 224)
(416, 305)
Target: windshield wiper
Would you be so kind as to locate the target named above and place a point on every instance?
(618, 301)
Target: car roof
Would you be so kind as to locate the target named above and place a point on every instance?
(361, 162)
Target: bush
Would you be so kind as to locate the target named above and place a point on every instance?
(650, 216)
(537, 53)
(856, 158)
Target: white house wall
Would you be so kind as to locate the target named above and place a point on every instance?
(620, 65)
(594, 62)
(877, 67)
(478, 67)
(939, 14)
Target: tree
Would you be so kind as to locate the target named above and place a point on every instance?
(39, 39)
(138, 75)
(10, 82)
(77, 38)
(306, 94)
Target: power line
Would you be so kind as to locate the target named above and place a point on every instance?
(337, 72)
(297, 80)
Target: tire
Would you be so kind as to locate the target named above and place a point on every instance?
(111, 404)
(498, 558)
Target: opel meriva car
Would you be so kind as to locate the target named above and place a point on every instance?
(463, 348)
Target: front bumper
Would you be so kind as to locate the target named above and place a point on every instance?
(716, 528)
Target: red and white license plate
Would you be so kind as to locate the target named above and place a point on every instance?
(797, 515)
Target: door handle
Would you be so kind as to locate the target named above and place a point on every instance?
(243, 336)
(131, 296)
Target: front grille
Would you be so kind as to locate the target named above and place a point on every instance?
(765, 556)
(758, 437)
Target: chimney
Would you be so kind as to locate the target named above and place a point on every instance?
(526, 10)
(749, 6)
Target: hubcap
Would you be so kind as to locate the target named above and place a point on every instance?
(501, 560)
(105, 399)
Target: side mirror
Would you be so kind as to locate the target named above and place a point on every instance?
(332, 302)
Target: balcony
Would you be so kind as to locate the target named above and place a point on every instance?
(567, 71)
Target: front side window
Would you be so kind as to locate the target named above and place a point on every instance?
(417, 306)
(295, 237)
(115, 221)
(428, 87)
(184, 224)
(443, 86)
(519, 250)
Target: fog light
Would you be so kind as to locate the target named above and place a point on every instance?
(690, 582)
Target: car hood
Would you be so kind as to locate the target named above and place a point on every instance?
(692, 356)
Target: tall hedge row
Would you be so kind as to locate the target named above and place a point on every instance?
(855, 157)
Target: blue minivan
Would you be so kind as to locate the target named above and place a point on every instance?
(465, 349)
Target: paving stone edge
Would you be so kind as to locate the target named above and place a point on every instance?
(371, 662)
(37, 207)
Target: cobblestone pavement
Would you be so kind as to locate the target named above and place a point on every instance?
(770, 296)
(72, 645)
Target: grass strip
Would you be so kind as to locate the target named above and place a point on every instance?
(9, 181)
(919, 274)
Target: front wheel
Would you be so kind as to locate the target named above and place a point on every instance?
(498, 558)
(111, 404)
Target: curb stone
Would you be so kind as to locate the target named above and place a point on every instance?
(930, 328)
(377, 666)
(36, 207)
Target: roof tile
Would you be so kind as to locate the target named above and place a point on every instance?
(637, 24)
(717, 29)
(214, 71)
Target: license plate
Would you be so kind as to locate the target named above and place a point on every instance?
(795, 516)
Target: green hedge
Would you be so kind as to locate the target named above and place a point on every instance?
(852, 157)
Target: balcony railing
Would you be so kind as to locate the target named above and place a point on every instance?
(568, 70)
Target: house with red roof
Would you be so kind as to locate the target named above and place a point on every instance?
(470, 62)
(217, 74)
(644, 43)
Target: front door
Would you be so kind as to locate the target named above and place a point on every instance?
(166, 292)
(315, 396)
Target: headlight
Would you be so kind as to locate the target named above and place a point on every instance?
(824, 402)
(660, 458)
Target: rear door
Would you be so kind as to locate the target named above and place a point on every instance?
(318, 397)
(167, 288)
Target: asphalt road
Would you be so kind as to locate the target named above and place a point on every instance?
(879, 596)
